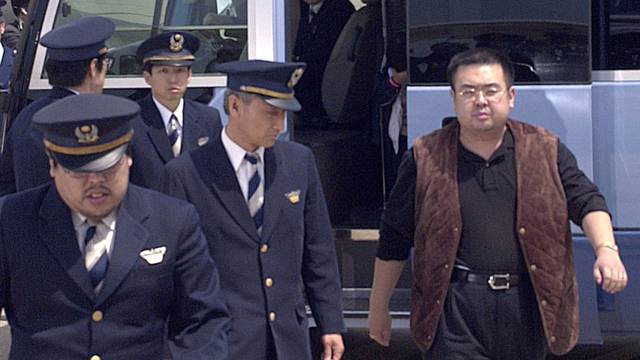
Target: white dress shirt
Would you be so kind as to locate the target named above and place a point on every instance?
(166, 113)
(105, 230)
(240, 166)
(314, 9)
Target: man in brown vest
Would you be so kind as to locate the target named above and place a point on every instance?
(486, 202)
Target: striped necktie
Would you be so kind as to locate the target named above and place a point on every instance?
(312, 14)
(96, 259)
(255, 192)
(174, 132)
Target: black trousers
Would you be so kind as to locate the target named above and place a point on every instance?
(481, 324)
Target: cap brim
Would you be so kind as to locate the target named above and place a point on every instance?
(171, 62)
(92, 163)
(285, 104)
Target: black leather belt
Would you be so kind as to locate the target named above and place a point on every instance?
(498, 281)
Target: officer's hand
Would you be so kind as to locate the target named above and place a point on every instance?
(399, 77)
(609, 271)
(333, 347)
(380, 325)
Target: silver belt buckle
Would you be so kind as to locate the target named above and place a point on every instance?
(499, 281)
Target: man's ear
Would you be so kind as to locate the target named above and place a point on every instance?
(234, 104)
(52, 166)
(147, 77)
(93, 67)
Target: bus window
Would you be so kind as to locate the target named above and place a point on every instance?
(221, 26)
(624, 35)
(547, 43)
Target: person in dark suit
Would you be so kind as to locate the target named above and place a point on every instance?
(265, 217)
(321, 22)
(92, 267)
(13, 31)
(77, 62)
(6, 58)
(170, 124)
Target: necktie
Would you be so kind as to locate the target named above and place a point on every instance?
(174, 132)
(312, 14)
(96, 259)
(255, 192)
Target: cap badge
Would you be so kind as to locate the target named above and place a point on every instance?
(87, 134)
(295, 77)
(176, 42)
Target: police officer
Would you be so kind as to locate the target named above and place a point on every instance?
(77, 62)
(90, 266)
(170, 124)
(265, 219)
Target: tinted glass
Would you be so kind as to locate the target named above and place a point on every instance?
(221, 26)
(624, 35)
(548, 40)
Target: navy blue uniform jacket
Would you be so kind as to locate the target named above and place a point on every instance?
(151, 148)
(50, 303)
(24, 164)
(300, 247)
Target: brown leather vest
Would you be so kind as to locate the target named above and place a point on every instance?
(542, 224)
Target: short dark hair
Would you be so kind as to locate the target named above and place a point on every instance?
(243, 96)
(70, 73)
(481, 56)
(147, 67)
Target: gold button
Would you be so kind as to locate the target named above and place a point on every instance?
(446, 266)
(543, 302)
(533, 267)
(96, 316)
(522, 231)
(95, 357)
(272, 316)
(438, 302)
(552, 338)
(264, 248)
(455, 229)
(268, 282)
(429, 337)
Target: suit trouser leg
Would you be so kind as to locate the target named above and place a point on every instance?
(481, 324)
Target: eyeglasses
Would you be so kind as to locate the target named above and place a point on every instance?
(108, 62)
(490, 93)
(107, 174)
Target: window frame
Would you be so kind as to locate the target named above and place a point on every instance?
(265, 40)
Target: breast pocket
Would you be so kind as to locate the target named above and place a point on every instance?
(154, 280)
(292, 206)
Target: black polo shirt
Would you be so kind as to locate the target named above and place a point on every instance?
(488, 207)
